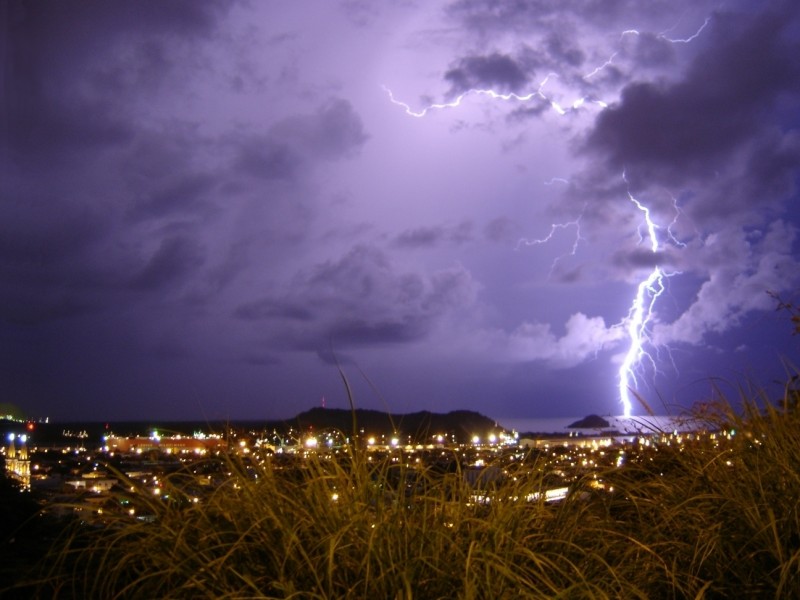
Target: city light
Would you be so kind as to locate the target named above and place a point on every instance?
(567, 459)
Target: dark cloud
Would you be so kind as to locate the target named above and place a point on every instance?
(428, 237)
(371, 332)
(333, 132)
(492, 71)
(450, 288)
(200, 203)
(528, 111)
(354, 276)
(266, 158)
(566, 275)
(754, 185)
(696, 123)
(563, 49)
(638, 258)
(48, 266)
(502, 229)
(420, 238)
(162, 165)
(461, 233)
(25, 308)
(772, 165)
(169, 349)
(261, 359)
(51, 47)
(42, 232)
(740, 273)
(524, 16)
(360, 12)
(185, 193)
(362, 299)
(79, 153)
(269, 308)
(329, 356)
(174, 259)
(653, 50)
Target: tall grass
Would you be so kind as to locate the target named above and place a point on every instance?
(715, 518)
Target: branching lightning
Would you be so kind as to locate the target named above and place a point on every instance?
(691, 38)
(511, 96)
(670, 233)
(608, 63)
(554, 227)
(662, 35)
(641, 313)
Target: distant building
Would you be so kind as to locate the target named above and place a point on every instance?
(169, 445)
(97, 485)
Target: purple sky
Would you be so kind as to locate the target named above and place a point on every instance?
(201, 204)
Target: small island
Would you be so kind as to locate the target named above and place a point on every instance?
(590, 422)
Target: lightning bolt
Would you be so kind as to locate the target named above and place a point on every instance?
(610, 59)
(554, 227)
(689, 39)
(608, 63)
(511, 96)
(670, 233)
(539, 92)
(549, 236)
(640, 315)
(642, 311)
(662, 35)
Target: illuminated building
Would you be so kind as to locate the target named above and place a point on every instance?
(169, 445)
(18, 466)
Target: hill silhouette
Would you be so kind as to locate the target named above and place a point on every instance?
(463, 424)
(590, 422)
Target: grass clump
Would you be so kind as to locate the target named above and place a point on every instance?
(714, 516)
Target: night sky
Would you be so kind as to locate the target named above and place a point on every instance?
(205, 206)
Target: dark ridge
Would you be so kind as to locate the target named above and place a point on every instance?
(463, 424)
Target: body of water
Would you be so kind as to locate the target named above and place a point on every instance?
(638, 424)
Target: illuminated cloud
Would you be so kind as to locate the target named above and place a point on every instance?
(584, 338)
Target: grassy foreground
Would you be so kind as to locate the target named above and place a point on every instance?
(716, 518)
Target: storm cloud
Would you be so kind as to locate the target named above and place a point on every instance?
(205, 208)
